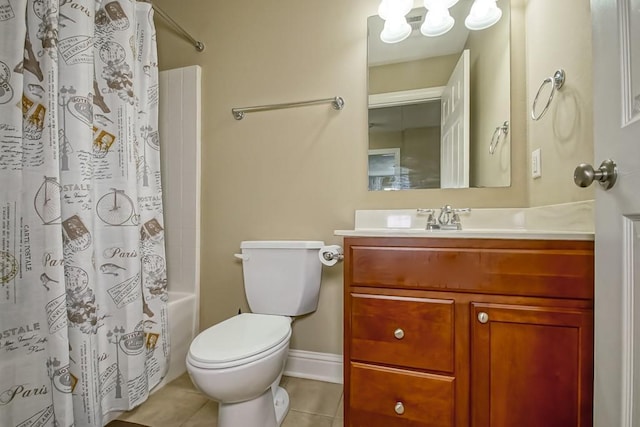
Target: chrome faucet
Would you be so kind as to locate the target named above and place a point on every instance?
(446, 215)
(448, 219)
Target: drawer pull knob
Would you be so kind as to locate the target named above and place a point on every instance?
(399, 408)
(483, 317)
(399, 333)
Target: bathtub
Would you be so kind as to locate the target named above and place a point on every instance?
(183, 327)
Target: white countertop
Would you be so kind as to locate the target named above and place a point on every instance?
(569, 221)
(469, 234)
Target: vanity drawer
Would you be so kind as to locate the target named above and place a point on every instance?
(412, 332)
(556, 269)
(422, 400)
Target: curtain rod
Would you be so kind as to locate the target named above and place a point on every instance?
(197, 44)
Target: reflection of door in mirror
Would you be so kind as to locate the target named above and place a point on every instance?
(422, 63)
(454, 155)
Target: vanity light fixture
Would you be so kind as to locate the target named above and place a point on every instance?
(396, 27)
(483, 14)
(391, 8)
(395, 30)
(437, 21)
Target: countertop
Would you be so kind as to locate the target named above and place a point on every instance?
(469, 234)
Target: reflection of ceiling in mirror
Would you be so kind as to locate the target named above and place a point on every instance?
(399, 118)
(417, 46)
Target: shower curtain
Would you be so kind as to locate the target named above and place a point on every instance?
(83, 315)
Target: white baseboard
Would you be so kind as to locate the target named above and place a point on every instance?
(314, 366)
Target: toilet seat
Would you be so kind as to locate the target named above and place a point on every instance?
(239, 340)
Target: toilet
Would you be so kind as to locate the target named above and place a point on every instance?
(239, 362)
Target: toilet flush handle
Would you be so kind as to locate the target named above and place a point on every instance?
(243, 257)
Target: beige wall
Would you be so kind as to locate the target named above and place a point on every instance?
(420, 156)
(430, 72)
(391, 139)
(297, 173)
(565, 133)
(490, 59)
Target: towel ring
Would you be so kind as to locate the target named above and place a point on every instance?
(495, 139)
(557, 80)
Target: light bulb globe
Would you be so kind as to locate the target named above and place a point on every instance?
(431, 4)
(483, 14)
(395, 30)
(390, 9)
(437, 22)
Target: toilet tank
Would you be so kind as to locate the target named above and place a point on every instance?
(282, 277)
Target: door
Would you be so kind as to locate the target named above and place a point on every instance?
(454, 149)
(616, 44)
(531, 366)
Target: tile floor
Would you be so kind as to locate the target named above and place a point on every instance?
(179, 404)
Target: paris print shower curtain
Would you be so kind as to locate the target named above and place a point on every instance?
(83, 317)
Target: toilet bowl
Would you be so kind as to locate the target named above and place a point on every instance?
(239, 362)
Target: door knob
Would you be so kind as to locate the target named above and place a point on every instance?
(606, 174)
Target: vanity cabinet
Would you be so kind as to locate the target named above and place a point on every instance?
(444, 332)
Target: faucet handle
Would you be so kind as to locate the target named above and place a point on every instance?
(431, 221)
(462, 210)
(429, 212)
(455, 219)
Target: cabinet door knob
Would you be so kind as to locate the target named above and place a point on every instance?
(399, 333)
(483, 317)
(399, 408)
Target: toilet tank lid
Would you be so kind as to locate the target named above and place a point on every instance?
(282, 244)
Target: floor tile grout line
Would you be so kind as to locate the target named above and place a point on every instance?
(194, 412)
(336, 415)
(312, 413)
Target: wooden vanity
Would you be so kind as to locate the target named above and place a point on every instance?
(442, 332)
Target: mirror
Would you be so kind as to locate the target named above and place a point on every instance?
(439, 107)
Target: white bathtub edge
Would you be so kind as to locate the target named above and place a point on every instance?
(183, 320)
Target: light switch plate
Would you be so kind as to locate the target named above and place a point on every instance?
(536, 166)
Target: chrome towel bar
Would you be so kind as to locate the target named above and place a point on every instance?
(336, 102)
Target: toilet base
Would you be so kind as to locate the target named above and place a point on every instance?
(263, 411)
(281, 402)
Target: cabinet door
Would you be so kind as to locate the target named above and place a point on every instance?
(531, 366)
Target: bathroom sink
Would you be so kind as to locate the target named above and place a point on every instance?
(570, 221)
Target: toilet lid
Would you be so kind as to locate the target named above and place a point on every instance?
(240, 337)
